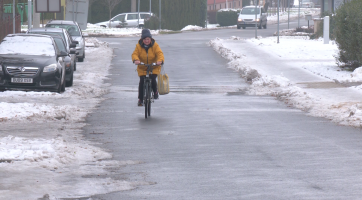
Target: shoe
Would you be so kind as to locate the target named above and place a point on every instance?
(140, 103)
(155, 96)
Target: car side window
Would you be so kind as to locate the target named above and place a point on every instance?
(120, 18)
(132, 16)
(145, 16)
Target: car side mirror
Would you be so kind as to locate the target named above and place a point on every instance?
(73, 51)
(62, 54)
(75, 42)
(72, 45)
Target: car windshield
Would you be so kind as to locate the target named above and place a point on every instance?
(27, 45)
(72, 29)
(60, 44)
(49, 33)
(249, 11)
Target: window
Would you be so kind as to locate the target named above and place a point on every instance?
(132, 16)
(145, 16)
(120, 18)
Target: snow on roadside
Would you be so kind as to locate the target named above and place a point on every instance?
(344, 108)
(42, 150)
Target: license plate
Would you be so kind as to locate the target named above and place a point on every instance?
(21, 80)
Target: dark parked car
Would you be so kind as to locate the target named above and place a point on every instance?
(74, 31)
(70, 44)
(31, 62)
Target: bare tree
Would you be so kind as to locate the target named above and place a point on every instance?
(110, 5)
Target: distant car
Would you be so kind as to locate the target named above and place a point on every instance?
(247, 18)
(74, 31)
(70, 44)
(307, 4)
(31, 62)
(126, 20)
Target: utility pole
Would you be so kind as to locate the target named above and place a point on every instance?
(288, 12)
(29, 14)
(14, 16)
(159, 1)
(138, 13)
(133, 5)
(278, 21)
(256, 23)
(150, 7)
(299, 13)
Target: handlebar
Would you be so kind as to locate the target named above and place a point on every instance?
(147, 65)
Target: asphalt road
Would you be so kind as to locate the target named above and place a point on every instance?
(208, 140)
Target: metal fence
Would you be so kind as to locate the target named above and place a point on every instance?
(6, 26)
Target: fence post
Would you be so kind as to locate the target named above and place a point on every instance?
(326, 30)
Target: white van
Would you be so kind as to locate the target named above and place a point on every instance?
(126, 20)
(247, 17)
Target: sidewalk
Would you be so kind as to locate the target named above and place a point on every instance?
(301, 72)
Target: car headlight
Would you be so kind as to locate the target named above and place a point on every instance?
(240, 20)
(50, 68)
(257, 20)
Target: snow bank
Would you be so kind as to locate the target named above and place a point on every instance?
(326, 97)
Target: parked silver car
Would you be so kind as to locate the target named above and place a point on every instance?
(126, 20)
(74, 31)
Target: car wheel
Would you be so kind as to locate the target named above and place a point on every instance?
(244, 27)
(70, 82)
(238, 27)
(63, 85)
(265, 26)
(259, 27)
(80, 59)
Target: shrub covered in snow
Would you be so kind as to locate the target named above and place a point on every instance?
(348, 33)
(227, 17)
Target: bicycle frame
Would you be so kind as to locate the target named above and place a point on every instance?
(147, 89)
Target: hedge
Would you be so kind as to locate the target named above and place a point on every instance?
(348, 33)
(227, 17)
(176, 13)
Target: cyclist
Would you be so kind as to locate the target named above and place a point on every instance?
(147, 51)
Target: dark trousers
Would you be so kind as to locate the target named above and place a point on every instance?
(140, 86)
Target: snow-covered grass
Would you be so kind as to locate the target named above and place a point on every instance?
(298, 71)
(42, 152)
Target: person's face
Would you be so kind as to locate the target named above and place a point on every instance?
(147, 41)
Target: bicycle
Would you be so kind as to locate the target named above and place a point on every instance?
(148, 95)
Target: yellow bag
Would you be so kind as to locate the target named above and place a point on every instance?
(163, 83)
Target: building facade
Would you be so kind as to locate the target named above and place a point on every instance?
(224, 4)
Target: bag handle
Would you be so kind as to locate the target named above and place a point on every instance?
(163, 69)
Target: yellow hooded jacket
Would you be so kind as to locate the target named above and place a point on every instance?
(153, 55)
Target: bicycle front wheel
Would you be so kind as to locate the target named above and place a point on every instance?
(145, 98)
